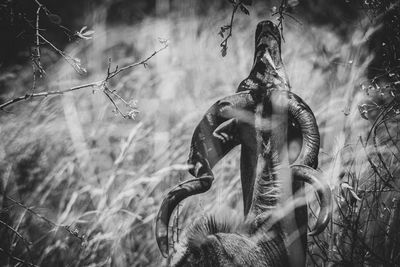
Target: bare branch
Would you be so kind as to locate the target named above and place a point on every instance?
(102, 84)
(73, 232)
(15, 232)
(17, 259)
(224, 43)
(26, 242)
(48, 93)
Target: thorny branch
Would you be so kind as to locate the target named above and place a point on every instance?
(102, 85)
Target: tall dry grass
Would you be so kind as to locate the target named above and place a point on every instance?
(72, 160)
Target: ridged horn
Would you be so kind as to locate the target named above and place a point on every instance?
(302, 114)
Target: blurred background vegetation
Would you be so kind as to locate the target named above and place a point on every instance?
(80, 185)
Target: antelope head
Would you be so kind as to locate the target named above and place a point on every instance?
(207, 150)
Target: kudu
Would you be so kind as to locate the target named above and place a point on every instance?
(248, 118)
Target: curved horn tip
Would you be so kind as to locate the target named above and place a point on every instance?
(319, 229)
(314, 232)
(324, 219)
(309, 175)
(162, 242)
(172, 199)
(164, 254)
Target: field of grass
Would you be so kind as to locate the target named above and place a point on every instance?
(99, 179)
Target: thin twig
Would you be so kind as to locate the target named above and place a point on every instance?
(117, 109)
(379, 154)
(383, 113)
(142, 62)
(37, 32)
(110, 74)
(224, 43)
(388, 183)
(72, 61)
(36, 56)
(281, 11)
(48, 13)
(393, 142)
